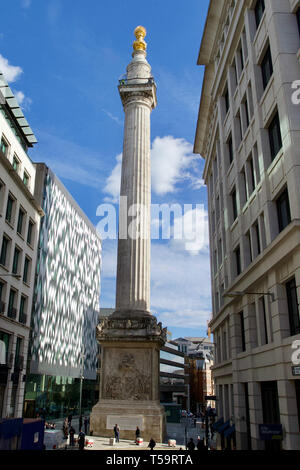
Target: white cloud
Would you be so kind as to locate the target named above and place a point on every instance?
(113, 182)
(180, 287)
(172, 161)
(11, 72)
(112, 117)
(23, 100)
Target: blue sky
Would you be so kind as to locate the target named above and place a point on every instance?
(63, 59)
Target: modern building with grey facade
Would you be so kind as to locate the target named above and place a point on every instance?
(248, 131)
(63, 345)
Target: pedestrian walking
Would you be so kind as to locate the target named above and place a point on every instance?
(200, 444)
(81, 440)
(117, 433)
(66, 428)
(72, 432)
(191, 444)
(152, 443)
(86, 423)
(80, 423)
(70, 419)
(137, 434)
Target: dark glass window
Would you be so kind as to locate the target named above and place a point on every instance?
(275, 136)
(226, 98)
(265, 338)
(298, 18)
(230, 150)
(246, 113)
(26, 269)
(16, 261)
(9, 208)
(259, 11)
(292, 299)
(15, 163)
(252, 174)
(20, 221)
(30, 232)
(4, 147)
(256, 229)
(267, 67)
(4, 250)
(11, 303)
(270, 407)
(297, 386)
(283, 210)
(243, 337)
(234, 204)
(237, 253)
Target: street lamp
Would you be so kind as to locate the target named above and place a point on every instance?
(244, 292)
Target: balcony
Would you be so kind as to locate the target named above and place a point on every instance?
(12, 313)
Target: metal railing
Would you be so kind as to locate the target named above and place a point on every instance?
(126, 81)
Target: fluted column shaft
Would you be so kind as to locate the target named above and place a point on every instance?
(133, 271)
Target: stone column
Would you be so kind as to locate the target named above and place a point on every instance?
(131, 338)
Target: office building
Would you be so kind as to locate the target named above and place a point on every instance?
(248, 131)
(63, 346)
(20, 215)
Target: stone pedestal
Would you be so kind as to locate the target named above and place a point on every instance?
(129, 378)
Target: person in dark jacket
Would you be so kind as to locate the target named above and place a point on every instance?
(191, 444)
(72, 432)
(81, 440)
(200, 444)
(152, 443)
(137, 433)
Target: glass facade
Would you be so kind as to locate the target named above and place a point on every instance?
(54, 397)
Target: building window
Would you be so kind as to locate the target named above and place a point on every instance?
(246, 113)
(20, 224)
(22, 313)
(238, 266)
(230, 149)
(267, 67)
(15, 266)
(226, 99)
(30, 232)
(243, 337)
(257, 238)
(15, 163)
(26, 272)
(4, 147)
(297, 387)
(26, 178)
(2, 192)
(252, 174)
(241, 56)
(283, 210)
(264, 326)
(10, 209)
(292, 300)
(4, 251)
(234, 205)
(2, 304)
(270, 408)
(259, 11)
(12, 312)
(298, 18)
(275, 136)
